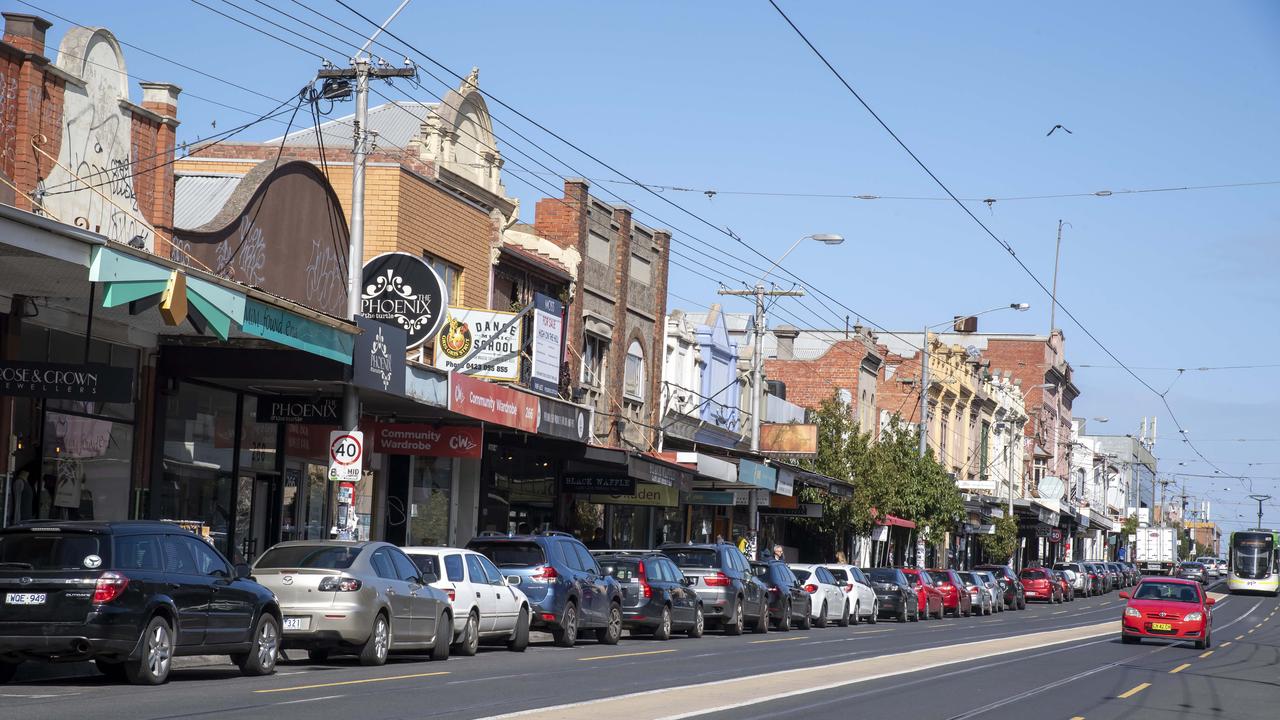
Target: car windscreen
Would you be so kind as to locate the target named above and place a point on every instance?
(511, 554)
(801, 575)
(622, 570)
(1032, 575)
(53, 551)
(428, 564)
(693, 557)
(883, 576)
(1176, 592)
(760, 570)
(840, 575)
(325, 557)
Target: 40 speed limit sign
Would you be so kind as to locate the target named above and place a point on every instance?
(346, 455)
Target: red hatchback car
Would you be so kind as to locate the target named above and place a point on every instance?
(955, 596)
(1040, 584)
(1169, 608)
(929, 596)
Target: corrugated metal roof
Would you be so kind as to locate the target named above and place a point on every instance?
(198, 198)
(396, 124)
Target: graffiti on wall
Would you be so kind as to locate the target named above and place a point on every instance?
(92, 184)
(8, 118)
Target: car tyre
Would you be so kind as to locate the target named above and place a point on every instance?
(265, 650)
(821, 620)
(157, 655)
(375, 650)
(444, 638)
(470, 642)
(663, 631)
(318, 656)
(114, 671)
(519, 641)
(874, 617)
(1205, 643)
(611, 633)
(806, 621)
(735, 627)
(699, 623)
(784, 621)
(762, 622)
(845, 620)
(1022, 603)
(1128, 639)
(567, 634)
(903, 616)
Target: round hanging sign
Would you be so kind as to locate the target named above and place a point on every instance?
(403, 290)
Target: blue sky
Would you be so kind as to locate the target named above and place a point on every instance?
(723, 96)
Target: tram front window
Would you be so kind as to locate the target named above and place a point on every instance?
(1252, 556)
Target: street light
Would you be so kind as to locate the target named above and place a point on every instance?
(924, 369)
(825, 238)
(1261, 499)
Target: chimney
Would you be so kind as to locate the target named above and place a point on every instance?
(786, 336)
(25, 32)
(162, 99)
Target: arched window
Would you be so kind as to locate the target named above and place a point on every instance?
(633, 373)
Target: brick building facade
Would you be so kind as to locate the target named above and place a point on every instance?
(848, 366)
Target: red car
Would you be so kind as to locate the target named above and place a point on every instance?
(1164, 607)
(1040, 584)
(929, 596)
(955, 595)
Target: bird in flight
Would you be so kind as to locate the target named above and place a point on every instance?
(1055, 128)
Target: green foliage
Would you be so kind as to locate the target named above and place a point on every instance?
(1129, 527)
(889, 478)
(1000, 547)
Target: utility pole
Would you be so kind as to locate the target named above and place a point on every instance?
(1053, 300)
(757, 375)
(924, 395)
(1261, 499)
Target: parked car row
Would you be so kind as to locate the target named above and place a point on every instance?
(131, 596)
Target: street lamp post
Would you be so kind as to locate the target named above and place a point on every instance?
(1261, 499)
(759, 293)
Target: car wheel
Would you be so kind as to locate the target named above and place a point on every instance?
(1128, 639)
(261, 658)
(1022, 603)
(735, 627)
(567, 634)
(611, 633)
(1202, 644)
(806, 620)
(874, 617)
(784, 620)
(520, 636)
(844, 620)
(375, 649)
(903, 616)
(821, 620)
(663, 631)
(444, 638)
(318, 656)
(470, 642)
(113, 670)
(699, 623)
(157, 655)
(762, 621)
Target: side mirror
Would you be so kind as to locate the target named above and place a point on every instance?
(242, 571)
(513, 579)
(1209, 601)
(1124, 595)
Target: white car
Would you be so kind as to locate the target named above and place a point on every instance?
(829, 600)
(1210, 566)
(857, 588)
(484, 605)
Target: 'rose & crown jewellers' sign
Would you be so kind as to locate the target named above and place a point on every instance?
(402, 290)
(91, 382)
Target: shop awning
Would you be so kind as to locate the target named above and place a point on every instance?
(893, 521)
(797, 474)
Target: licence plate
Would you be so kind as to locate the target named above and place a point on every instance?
(24, 598)
(1030, 594)
(1166, 627)
(297, 623)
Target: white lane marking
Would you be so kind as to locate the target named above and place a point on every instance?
(1035, 691)
(307, 700)
(487, 678)
(35, 696)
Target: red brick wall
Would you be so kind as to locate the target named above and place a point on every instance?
(564, 222)
(895, 396)
(809, 382)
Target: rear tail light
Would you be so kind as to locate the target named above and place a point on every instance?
(340, 584)
(848, 588)
(452, 593)
(775, 590)
(109, 587)
(811, 588)
(716, 580)
(643, 579)
(544, 574)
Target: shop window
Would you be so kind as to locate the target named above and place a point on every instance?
(633, 373)
(1038, 469)
(197, 457)
(594, 353)
(449, 273)
(429, 501)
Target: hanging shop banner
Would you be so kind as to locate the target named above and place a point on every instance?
(378, 360)
(790, 439)
(480, 343)
(299, 409)
(808, 510)
(298, 332)
(493, 403)
(645, 494)
(757, 474)
(88, 382)
(786, 482)
(456, 441)
(564, 420)
(599, 484)
(547, 352)
(403, 291)
(711, 497)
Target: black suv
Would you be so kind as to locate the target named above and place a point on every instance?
(731, 595)
(789, 604)
(656, 597)
(566, 587)
(129, 596)
(1015, 597)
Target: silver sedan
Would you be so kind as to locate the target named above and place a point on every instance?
(364, 598)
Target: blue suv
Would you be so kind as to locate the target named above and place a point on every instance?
(566, 588)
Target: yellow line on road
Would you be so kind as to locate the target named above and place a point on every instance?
(1134, 691)
(1239, 637)
(1225, 644)
(353, 682)
(785, 639)
(622, 655)
(1206, 654)
(1180, 668)
(1251, 631)
(1078, 717)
